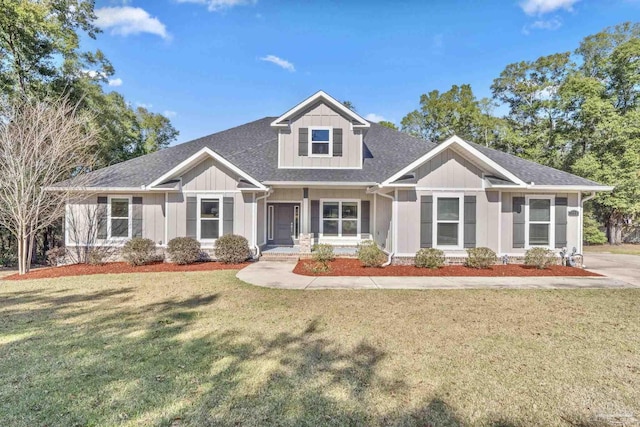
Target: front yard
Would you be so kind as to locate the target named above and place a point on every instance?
(203, 348)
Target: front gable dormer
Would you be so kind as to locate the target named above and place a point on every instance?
(320, 133)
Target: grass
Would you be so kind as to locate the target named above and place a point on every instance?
(626, 249)
(203, 348)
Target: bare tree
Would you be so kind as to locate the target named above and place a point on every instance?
(41, 143)
(82, 223)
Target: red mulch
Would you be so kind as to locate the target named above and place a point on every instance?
(353, 267)
(121, 267)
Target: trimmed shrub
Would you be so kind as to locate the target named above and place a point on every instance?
(591, 231)
(96, 256)
(184, 250)
(55, 255)
(317, 267)
(323, 253)
(540, 258)
(370, 255)
(232, 249)
(139, 251)
(481, 258)
(429, 258)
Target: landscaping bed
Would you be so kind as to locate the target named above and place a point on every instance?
(121, 267)
(353, 267)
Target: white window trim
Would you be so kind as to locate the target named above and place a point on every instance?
(129, 219)
(339, 219)
(460, 221)
(551, 222)
(209, 196)
(310, 148)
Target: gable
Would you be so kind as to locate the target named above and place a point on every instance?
(295, 143)
(449, 169)
(320, 96)
(209, 175)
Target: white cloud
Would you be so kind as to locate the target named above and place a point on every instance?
(218, 5)
(543, 24)
(373, 117)
(115, 82)
(169, 114)
(540, 7)
(94, 74)
(282, 63)
(143, 105)
(128, 20)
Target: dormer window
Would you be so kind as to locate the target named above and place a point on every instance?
(321, 141)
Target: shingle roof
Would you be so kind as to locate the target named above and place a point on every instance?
(253, 147)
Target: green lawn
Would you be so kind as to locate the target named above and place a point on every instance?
(199, 349)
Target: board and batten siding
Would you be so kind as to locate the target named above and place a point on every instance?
(209, 175)
(487, 214)
(573, 222)
(449, 169)
(320, 115)
(81, 209)
(383, 227)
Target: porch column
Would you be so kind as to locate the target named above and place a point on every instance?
(305, 220)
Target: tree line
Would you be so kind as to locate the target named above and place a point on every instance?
(576, 111)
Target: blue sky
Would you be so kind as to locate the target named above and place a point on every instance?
(214, 64)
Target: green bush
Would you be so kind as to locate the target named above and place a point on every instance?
(540, 258)
(184, 250)
(370, 255)
(232, 249)
(139, 251)
(591, 230)
(481, 258)
(429, 258)
(322, 253)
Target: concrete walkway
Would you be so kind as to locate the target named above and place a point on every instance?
(280, 275)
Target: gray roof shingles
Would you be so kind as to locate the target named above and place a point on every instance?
(253, 147)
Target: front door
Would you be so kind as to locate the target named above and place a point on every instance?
(283, 221)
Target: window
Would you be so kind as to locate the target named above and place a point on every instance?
(539, 221)
(209, 218)
(448, 217)
(321, 141)
(119, 225)
(340, 218)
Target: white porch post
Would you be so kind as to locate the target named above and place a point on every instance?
(305, 226)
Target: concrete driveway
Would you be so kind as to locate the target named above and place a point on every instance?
(616, 266)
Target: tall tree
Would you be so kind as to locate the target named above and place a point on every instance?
(388, 124)
(456, 111)
(41, 143)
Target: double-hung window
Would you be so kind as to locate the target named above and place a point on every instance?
(340, 218)
(539, 221)
(119, 221)
(321, 141)
(447, 222)
(209, 217)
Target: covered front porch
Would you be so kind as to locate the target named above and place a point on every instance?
(296, 218)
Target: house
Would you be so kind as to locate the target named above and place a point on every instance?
(320, 173)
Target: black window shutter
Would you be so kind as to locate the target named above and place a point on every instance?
(561, 222)
(192, 217)
(364, 216)
(101, 218)
(337, 142)
(303, 142)
(227, 214)
(469, 221)
(426, 221)
(315, 217)
(136, 217)
(518, 222)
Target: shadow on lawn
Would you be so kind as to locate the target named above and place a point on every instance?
(149, 365)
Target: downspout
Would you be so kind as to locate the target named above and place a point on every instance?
(581, 231)
(393, 228)
(255, 222)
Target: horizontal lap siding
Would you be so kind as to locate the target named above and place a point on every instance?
(320, 115)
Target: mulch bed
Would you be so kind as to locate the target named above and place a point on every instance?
(353, 267)
(121, 267)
